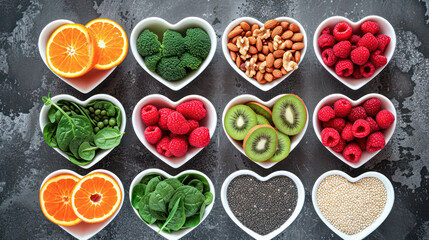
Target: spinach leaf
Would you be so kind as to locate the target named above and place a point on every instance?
(86, 151)
(118, 116)
(176, 218)
(83, 112)
(209, 198)
(137, 195)
(166, 229)
(65, 133)
(192, 199)
(196, 184)
(108, 138)
(54, 115)
(148, 177)
(143, 207)
(76, 161)
(151, 185)
(196, 219)
(186, 178)
(49, 134)
(160, 197)
(173, 182)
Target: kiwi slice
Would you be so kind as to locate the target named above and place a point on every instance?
(262, 120)
(289, 114)
(261, 110)
(239, 120)
(260, 143)
(283, 147)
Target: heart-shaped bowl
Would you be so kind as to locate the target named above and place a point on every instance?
(161, 101)
(159, 26)
(330, 100)
(385, 28)
(245, 98)
(299, 204)
(87, 230)
(181, 233)
(389, 202)
(83, 84)
(43, 120)
(269, 85)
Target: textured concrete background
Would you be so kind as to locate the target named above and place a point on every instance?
(25, 159)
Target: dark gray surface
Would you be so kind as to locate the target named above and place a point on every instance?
(25, 160)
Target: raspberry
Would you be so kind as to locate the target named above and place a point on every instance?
(352, 152)
(369, 41)
(372, 124)
(344, 68)
(357, 113)
(367, 70)
(342, 107)
(360, 55)
(377, 59)
(375, 142)
(326, 30)
(356, 72)
(383, 41)
(192, 110)
(347, 133)
(369, 27)
(193, 125)
(200, 137)
(361, 128)
(372, 106)
(354, 39)
(163, 118)
(330, 137)
(325, 114)
(362, 143)
(326, 40)
(340, 146)
(163, 147)
(328, 57)
(384, 119)
(149, 115)
(177, 123)
(342, 31)
(342, 49)
(335, 123)
(178, 146)
(353, 47)
(152, 134)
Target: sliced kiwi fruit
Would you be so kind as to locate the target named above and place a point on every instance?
(283, 147)
(262, 120)
(239, 120)
(261, 110)
(289, 114)
(260, 143)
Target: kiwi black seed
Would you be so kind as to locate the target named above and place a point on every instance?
(262, 120)
(260, 109)
(260, 143)
(239, 120)
(289, 114)
(283, 147)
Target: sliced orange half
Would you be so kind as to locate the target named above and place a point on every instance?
(111, 41)
(55, 197)
(96, 197)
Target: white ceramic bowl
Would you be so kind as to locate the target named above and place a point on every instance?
(83, 84)
(181, 233)
(245, 98)
(299, 204)
(43, 120)
(87, 230)
(389, 203)
(385, 28)
(269, 85)
(159, 26)
(161, 101)
(386, 104)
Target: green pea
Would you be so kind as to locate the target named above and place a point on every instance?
(104, 112)
(97, 118)
(96, 129)
(112, 122)
(105, 122)
(97, 112)
(100, 124)
(91, 109)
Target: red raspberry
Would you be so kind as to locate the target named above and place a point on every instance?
(328, 57)
(326, 40)
(342, 107)
(354, 47)
(193, 125)
(178, 146)
(192, 110)
(360, 55)
(163, 118)
(372, 124)
(342, 49)
(383, 41)
(342, 31)
(354, 39)
(356, 72)
(163, 147)
(177, 123)
(344, 68)
(377, 59)
(340, 146)
(200, 137)
(361, 128)
(149, 115)
(372, 106)
(347, 133)
(330, 137)
(367, 70)
(335, 123)
(384, 119)
(152, 134)
(326, 30)
(352, 152)
(369, 41)
(357, 113)
(325, 114)
(369, 27)
(375, 142)
(362, 143)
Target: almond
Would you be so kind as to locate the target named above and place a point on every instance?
(277, 73)
(254, 27)
(298, 46)
(284, 72)
(270, 60)
(282, 46)
(278, 63)
(238, 61)
(278, 53)
(252, 50)
(297, 37)
(288, 34)
(263, 81)
(265, 50)
(270, 46)
(233, 55)
(232, 47)
(297, 56)
(237, 27)
(235, 32)
(284, 25)
(294, 28)
(289, 43)
(268, 77)
(243, 33)
(269, 69)
(277, 31)
(261, 57)
(259, 44)
(270, 24)
(248, 34)
(234, 40)
(252, 40)
(259, 76)
(245, 26)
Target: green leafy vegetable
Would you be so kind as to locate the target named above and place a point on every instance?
(108, 138)
(49, 134)
(86, 151)
(137, 194)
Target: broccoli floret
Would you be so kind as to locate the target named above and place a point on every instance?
(171, 69)
(148, 44)
(197, 42)
(190, 61)
(151, 61)
(173, 44)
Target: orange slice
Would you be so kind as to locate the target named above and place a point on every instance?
(55, 197)
(96, 197)
(112, 42)
(70, 51)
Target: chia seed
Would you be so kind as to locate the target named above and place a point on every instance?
(262, 206)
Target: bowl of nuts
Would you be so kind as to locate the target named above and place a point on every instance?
(264, 54)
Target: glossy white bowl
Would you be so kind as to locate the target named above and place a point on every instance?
(159, 26)
(388, 207)
(299, 204)
(83, 84)
(385, 28)
(43, 120)
(181, 233)
(386, 104)
(84, 230)
(161, 101)
(245, 98)
(269, 85)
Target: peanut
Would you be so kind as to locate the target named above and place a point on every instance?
(233, 55)
(278, 53)
(297, 37)
(235, 32)
(268, 77)
(270, 24)
(277, 31)
(278, 63)
(254, 27)
(277, 73)
(270, 60)
(245, 26)
(298, 46)
(284, 25)
(232, 47)
(294, 28)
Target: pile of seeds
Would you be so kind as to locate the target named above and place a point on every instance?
(262, 206)
(351, 207)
